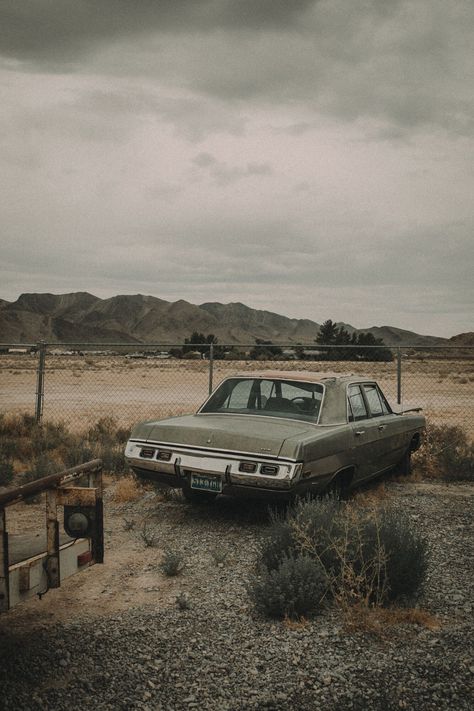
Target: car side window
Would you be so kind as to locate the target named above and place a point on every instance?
(357, 408)
(387, 410)
(374, 400)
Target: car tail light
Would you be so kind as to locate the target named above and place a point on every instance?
(147, 453)
(164, 455)
(269, 469)
(248, 467)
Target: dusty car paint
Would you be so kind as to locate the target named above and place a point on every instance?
(310, 455)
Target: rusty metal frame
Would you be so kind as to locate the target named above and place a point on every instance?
(58, 493)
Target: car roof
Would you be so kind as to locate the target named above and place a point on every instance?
(308, 376)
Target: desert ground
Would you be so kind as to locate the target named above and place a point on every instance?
(81, 389)
(125, 636)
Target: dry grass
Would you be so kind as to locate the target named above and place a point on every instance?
(380, 620)
(372, 498)
(295, 625)
(127, 489)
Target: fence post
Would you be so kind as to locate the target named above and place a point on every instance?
(399, 375)
(211, 366)
(40, 381)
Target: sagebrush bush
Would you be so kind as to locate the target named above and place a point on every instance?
(369, 556)
(49, 436)
(112, 456)
(447, 453)
(44, 447)
(172, 563)
(77, 453)
(6, 471)
(42, 466)
(8, 447)
(294, 589)
(104, 431)
(406, 554)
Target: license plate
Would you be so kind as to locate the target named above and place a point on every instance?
(206, 483)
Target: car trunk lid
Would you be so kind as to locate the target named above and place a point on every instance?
(251, 434)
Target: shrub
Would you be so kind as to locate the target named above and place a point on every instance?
(446, 452)
(77, 453)
(126, 489)
(370, 557)
(314, 523)
(42, 466)
(406, 554)
(113, 458)
(104, 431)
(172, 563)
(294, 589)
(148, 534)
(49, 436)
(8, 448)
(6, 472)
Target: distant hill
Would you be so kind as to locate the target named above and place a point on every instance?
(463, 339)
(83, 318)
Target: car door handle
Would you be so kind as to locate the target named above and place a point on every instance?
(381, 427)
(358, 433)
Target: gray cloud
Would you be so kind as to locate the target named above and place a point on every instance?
(406, 64)
(63, 29)
(312, 158)
(224, 174)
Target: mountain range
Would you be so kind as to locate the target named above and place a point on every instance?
(83, 318)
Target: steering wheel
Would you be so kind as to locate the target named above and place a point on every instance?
(304, 403)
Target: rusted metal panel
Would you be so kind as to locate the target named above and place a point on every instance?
(52, 541)
(76, 496)
(20, 493)
(24, 579)
(44, 572)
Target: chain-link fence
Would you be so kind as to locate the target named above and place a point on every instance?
(81, 383)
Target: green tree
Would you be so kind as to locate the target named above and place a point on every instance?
(327, 333)
(265, 350)
(332, 335)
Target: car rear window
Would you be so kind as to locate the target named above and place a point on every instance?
(267, 396)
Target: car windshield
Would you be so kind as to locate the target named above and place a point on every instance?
(270, 397)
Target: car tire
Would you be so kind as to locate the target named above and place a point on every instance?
(403, 468)
(197, 497)
(338, 488)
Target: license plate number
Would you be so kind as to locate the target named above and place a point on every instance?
(206, 483)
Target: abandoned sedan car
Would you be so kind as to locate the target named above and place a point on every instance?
(277, 434)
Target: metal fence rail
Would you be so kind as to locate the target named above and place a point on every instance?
(81, 383)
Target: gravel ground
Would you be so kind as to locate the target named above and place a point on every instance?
(218, 654)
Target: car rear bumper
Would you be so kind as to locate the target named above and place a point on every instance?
(184, 462)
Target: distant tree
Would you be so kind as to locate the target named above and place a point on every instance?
(381, 353)
(199, 342)
(327, 333)
(265, 350)
(332, 335)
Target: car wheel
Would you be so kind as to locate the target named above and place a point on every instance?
(404, 466)
(197, 497)
(338, 488)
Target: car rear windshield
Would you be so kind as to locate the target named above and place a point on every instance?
(272, 398)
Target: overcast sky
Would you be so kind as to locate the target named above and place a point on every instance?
(310, 157)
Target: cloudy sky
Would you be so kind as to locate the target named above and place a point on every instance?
(310, 157)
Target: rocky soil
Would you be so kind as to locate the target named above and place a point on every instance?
(116, 638)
